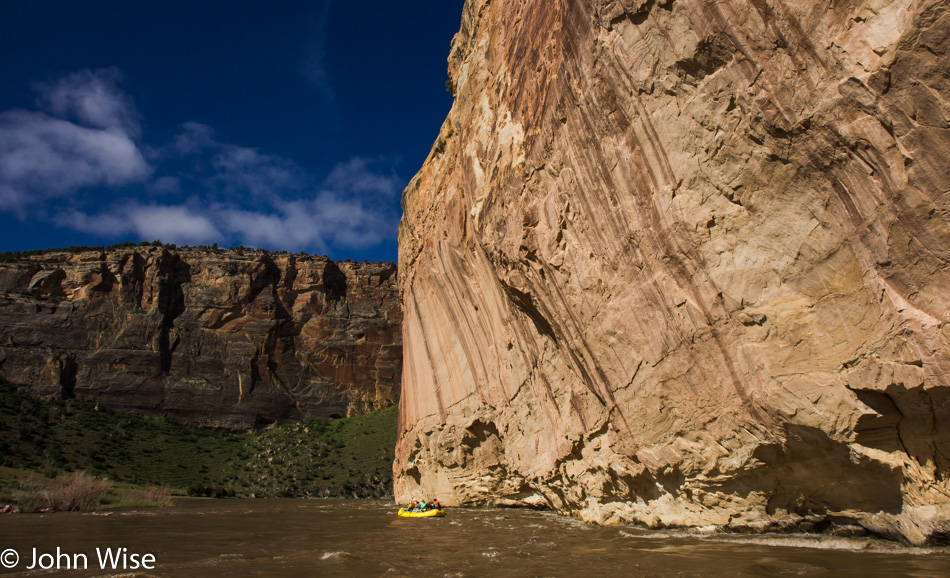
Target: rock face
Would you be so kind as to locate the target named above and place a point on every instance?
(214, 337)
(685, 263)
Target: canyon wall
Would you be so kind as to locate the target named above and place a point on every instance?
(231, 338)
(685, 263)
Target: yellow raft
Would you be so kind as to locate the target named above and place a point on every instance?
(435, 513)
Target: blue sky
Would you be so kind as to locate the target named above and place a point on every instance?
(286, 125)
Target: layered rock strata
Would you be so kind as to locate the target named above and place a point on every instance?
(230, 338)
(685, 263)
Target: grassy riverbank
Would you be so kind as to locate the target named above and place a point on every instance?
(341, 458)
(26, 491)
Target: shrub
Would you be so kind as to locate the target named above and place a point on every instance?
(33, 495)
(211, 491)
(157, 494)
(79, 491)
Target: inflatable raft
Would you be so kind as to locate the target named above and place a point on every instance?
(436, 513)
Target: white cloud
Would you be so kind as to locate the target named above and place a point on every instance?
(357, 176)
(245, 170)
(240, 173)
(355, 208)
(353, 223)
(289, 229)
(349, 215)
(176, 224)
(172, 224)
(329, 218)
(349, 212)
(88, 140)
(93, 98)
(102, 225)
(45, 156)
(193, 139)
(165, 186)
(12, 200)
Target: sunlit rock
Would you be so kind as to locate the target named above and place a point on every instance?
(685, 263)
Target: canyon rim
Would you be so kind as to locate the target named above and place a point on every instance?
(685, 263)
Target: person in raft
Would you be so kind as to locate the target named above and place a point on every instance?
(424, 506)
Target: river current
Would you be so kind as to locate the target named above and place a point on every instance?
(289, 538)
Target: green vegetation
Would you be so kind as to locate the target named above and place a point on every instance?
(341, 458)
(15, 256)
(41, 297)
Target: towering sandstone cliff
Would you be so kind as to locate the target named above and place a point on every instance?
(216, 337)
(686, 263)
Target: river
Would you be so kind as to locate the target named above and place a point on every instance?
(291, 538)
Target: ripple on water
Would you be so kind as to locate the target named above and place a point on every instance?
(337, 556)
(810, 541)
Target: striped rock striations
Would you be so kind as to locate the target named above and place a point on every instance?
(685, 263)
(230, 338)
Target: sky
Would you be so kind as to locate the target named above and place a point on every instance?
(286, 125)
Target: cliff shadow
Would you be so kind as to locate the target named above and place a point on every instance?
(68, 370)
(171, 304)
(132, 279)
(334, 283)
(915, 421)
(107, 279)
(810, 473)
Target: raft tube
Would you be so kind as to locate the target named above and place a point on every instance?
(437, 513)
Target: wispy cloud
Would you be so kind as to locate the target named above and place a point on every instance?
(178, 224)
(364, 176)
(93, 98)
(314, 66)
(240, 173)
(166, 185)
(245, 170)
(349, 211)
(194, 189)
(42, 157)
(88, 139)
(352, 209)
(287, 228)
(193, 138)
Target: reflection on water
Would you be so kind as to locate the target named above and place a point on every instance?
(365, 538)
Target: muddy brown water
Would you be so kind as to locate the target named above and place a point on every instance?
(291, 538)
